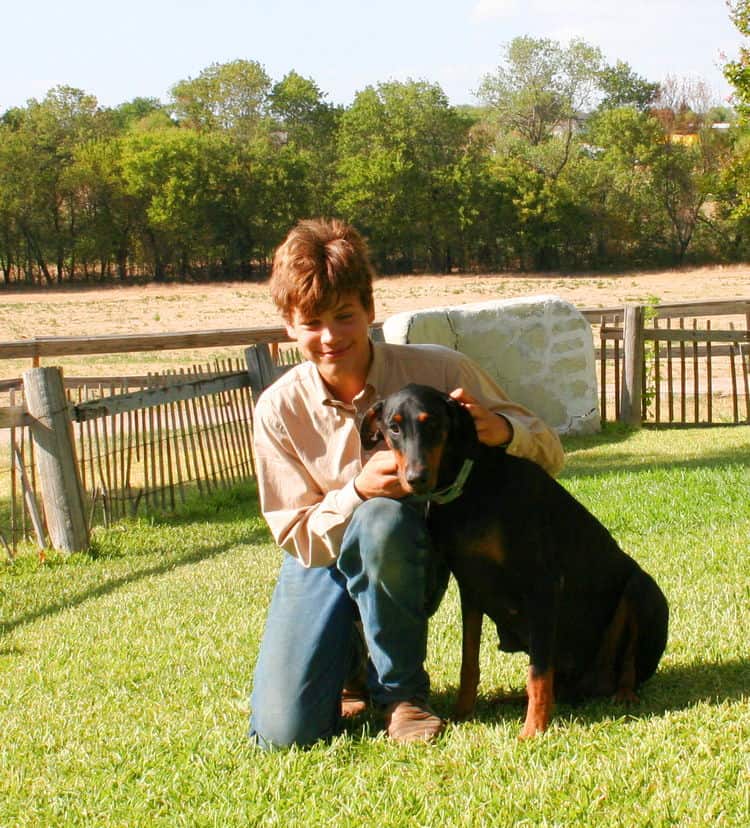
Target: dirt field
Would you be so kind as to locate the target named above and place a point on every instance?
(160, 308)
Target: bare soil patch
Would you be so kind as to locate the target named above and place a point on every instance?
(161, 308)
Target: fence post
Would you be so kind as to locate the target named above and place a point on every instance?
(60, 483)
(631, 399)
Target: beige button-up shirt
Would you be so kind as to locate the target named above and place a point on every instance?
(308, 449)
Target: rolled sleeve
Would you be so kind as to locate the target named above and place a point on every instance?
(542, 446)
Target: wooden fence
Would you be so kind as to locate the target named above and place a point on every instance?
(692, 362)
(145, 442)
(139, 443)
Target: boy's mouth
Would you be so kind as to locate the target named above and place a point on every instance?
(334, 353)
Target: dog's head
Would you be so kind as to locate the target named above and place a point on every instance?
(429, 432)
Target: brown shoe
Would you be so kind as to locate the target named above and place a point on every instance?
(354, 701)
(412, 721)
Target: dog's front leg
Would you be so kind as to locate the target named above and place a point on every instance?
(542, 609)
(471, 624)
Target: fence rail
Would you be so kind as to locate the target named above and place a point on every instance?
(52, 346)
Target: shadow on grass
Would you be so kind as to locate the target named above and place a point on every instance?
(629, 461)
(203, 553)
(616, 462)
(671, 689)
(238, 501)
(611, 434)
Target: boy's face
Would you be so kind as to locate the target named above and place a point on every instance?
(335, 339)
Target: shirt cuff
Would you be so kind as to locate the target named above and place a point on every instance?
(347, 499)
(519, 442)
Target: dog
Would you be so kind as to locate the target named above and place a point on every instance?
(527, 554)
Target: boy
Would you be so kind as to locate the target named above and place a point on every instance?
(358, 552)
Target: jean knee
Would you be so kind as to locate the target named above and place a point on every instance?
(387, 535)
(284, 732)
(279, 721)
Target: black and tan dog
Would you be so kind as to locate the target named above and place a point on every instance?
(528, 555)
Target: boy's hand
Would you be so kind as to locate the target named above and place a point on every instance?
(492, 429)
(379, 477)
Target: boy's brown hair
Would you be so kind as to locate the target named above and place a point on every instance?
(320, 260)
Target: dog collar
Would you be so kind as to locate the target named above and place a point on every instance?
(450, 493)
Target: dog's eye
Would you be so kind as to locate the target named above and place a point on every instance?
(394, 428)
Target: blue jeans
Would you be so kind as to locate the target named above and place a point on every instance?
(387, 577)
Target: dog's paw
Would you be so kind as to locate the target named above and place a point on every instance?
(462, 712)
(530, 731)
(625, 695)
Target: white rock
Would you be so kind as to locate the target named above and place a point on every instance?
(539, 349)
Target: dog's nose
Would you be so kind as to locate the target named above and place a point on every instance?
(416, 476)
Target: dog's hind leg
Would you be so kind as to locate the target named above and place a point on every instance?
(601, 678)
(632, 644)
(645, 635)
(471, 623)
(651, 611)
(627, 680)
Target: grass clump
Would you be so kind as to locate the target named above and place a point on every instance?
(126, 673)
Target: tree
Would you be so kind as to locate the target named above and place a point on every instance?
(108, 214)
(307, 126)
(40, 141)
(225, 96)
(172, 175)
(732, 218)
(621, 86)
(133, 112)
(737, 72)
(540, 85)
(683, 104)
(398, 147)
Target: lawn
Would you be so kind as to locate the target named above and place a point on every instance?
(126, 674)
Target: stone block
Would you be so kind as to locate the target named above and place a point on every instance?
(539, 349)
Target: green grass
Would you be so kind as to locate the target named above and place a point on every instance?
(125, 676)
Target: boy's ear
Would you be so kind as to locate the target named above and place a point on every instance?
(290, 331)
(370, 432)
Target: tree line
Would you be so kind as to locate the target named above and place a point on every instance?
(567, 163)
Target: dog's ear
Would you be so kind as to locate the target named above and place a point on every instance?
(370, 432)
(463, 430)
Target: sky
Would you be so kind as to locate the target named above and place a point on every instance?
(141, 48)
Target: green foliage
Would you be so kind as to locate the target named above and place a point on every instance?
(308, 127)
(737, 72)
(541, 85)
(621, 86)
(399, 145)
(126, 676)
(568, 163)
(225, 96)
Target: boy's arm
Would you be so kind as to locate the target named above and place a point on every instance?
(306, 522)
